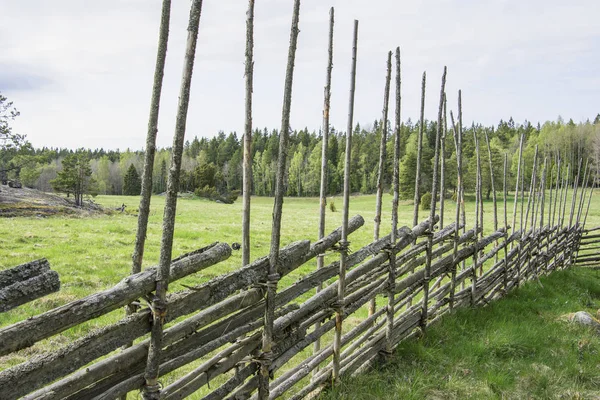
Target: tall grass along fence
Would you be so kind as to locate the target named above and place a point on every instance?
(243, 334)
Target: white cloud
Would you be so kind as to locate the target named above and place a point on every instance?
(81, 72)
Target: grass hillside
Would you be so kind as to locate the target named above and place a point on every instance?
(516, 348)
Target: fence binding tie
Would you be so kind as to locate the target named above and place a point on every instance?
(341, 246)
(159, 308)
(337, 306)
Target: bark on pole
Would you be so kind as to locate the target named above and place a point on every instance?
(477, 227)
(159, 71)
(459, 190)
(337, 339)
(434, 188)
(382, 158)
(504, 198)
(396, 185)
(144, 209)
(274, 261)
(443, 166)
(489, 149)
(558, 182)
(247, 162)
(324, 150)
(152, 387)
(514, 220)
(574, 198)
(419, 152)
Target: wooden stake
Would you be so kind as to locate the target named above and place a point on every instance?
(159, 71)
(382, 158)
(274, 261)
(337, 340)
(459, 189)
(574, 198)
(434, 188)
(247, 163)
(504, 197)
(443, 166)
(477, 227)
(489, 149)
(419, 152)
(159, 306)
(558, 182)
(323, 195)
(396, 184)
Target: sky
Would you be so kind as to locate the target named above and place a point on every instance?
(80, 72)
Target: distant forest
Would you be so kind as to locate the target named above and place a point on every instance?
(217, 162)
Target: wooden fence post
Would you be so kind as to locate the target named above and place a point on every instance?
(247, 162)
(459, 190)
(159, 306)
(382, 158)
(323, 192)
(265, 357)
(337, 340)
(396, 185)
(477, 227)
(419, 152)
(434, 188)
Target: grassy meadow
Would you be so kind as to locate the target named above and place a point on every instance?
(92, 253)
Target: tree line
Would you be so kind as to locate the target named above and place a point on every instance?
(212, 167)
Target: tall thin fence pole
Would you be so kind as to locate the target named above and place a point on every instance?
(557, 190)
(159, 72)
(324, 151)
(396, 185)
(159, 305)
(274, 261)
(565, 191)
(419, 152)
(477, 227)
(434, 189)
(584, 188)
(382, 158)
(489, 149)
(504, 198)
(574, 198)
(519, 165)
(337, 340)
(443, 165)
(459, 185)
(247, 162)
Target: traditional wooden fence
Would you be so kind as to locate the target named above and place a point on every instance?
(221, 334)
(243, 334)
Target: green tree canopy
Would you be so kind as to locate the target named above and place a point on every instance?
(75, 177)
(132, 184)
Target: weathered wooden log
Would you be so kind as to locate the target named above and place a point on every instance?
(22, 292)
(125, 372)
(233, 382)
(194, 380)
(442, 265)
(23, 272)
(40, 371)
(26, 333)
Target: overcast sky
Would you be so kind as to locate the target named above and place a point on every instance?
(81, 72)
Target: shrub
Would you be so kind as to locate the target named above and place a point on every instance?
(426, 201)
(208, 192)
(332, 205)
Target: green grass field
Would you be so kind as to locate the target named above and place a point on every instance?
(93, 253)
(516, 348)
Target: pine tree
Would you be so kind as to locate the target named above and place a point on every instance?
(132, 186)
(75, 177)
